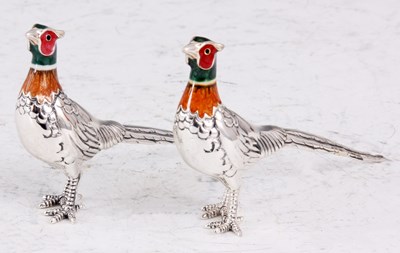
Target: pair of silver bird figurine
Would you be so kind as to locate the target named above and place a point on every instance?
(210, 137)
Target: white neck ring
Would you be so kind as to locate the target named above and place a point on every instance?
(43, 67)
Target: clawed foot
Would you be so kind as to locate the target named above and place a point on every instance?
(66, 201)
(54, 200)
(226, 226)
(63, 213)
(227, 210)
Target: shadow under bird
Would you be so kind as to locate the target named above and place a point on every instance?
(216, 141)
(58, 131)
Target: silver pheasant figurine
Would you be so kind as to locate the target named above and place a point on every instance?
(216, 141)
(58, 131)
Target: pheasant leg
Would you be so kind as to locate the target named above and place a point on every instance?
(230, 219)
(68, 208)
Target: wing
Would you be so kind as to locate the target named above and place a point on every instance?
(252, 142)
(88, 134)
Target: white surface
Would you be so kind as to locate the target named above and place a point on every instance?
(327, 67)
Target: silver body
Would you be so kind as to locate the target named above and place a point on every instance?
(60, 132)
(64, 135)
(222, 145)
(45, 132)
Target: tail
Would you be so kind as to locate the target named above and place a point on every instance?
(146, 135)
(307, 140)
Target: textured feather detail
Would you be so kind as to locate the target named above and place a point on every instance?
(95, 135)
(84, 134)
(253, 142)
(257, 142)
(311, 141)
(43, 113)
(272, 139)
(137, 134)
(110, 133)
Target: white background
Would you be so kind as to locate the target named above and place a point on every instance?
(326, 67)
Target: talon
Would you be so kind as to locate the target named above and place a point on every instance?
(211, 214)
(51, 200)
(57, 217)
(214, 224)
(223, 228)
(235, 229)
(52, 212)
(65, 212)
(204, 216)
(48, 202)
(71, 217)
(42, 206)
(215, 210)
(211, 207)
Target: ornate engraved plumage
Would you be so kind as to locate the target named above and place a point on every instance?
(44, 114)
(206, 139)
(58, 131)
(223, 144)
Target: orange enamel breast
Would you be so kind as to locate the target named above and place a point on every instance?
(200, 98)
(41, 84)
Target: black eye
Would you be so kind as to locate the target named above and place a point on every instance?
(207, 51)
(48, 37)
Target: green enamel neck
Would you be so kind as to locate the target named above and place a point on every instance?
(39, 59)
(200, 75)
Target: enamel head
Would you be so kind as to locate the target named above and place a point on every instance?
(203, 51)
(44, 38)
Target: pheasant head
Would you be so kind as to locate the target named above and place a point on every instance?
(201, 54)
(201, 93)
(43, 46)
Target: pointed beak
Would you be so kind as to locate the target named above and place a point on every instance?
(191, 50)
(218, 46)
(33, 36)
(60, 33)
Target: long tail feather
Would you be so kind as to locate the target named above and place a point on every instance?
(311, 141)
(138, 134)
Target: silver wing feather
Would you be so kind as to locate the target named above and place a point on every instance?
(253, 142)
(85, 130)
(92, 135)
(257, 141)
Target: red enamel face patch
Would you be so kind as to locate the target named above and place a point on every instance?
(207, 56)
(48, 43)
